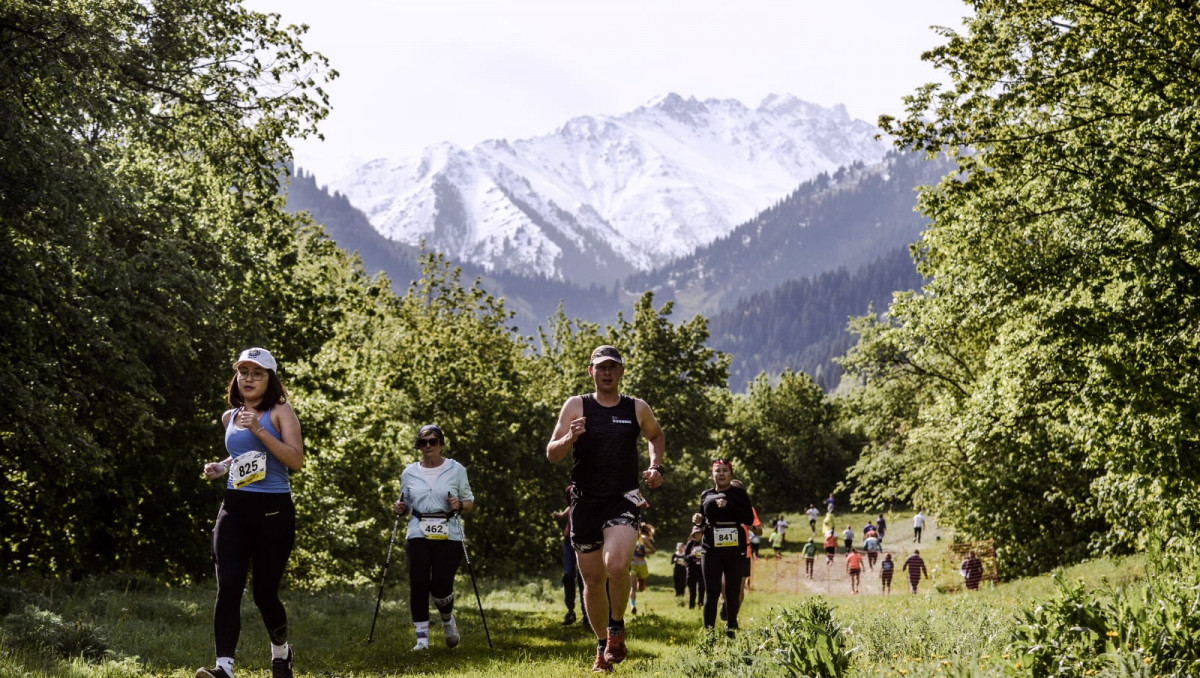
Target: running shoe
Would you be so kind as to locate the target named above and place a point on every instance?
(282, 668)
(601, 665)
(422, 644)
(211, 673)
(569, 619)
(451, 629)
(614, 653)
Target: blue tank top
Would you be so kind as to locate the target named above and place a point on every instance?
(239, 441)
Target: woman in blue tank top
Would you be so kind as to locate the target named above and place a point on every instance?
(256, 526)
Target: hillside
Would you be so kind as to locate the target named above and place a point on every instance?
(801, 324)
(840, 220)
(779, 290)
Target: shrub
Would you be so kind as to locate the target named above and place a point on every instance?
(807, 641)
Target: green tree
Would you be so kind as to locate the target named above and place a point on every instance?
(143, 243)
(1056, 343)
(785, 437)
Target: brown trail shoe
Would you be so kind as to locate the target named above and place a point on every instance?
(602, 665)
(614, 653)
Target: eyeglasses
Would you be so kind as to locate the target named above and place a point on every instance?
(247, 375)
(427, 442)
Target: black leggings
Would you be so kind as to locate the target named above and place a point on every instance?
(728, 563)
(254, 529)
(695, 584)
(432, 564)
(571, 578)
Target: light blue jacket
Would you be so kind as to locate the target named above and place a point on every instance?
(426, 498)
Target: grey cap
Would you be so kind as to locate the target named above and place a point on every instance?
(605, 353)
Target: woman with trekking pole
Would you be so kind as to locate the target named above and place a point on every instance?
(434, 492)
(256, 525)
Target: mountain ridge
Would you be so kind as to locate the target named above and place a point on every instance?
(626, 193)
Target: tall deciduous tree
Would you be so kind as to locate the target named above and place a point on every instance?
(1058, 335)
(785, 436)
(143, 244)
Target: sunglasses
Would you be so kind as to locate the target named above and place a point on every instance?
(427, 442)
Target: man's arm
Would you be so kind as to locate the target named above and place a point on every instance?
(658, 442)
(570, 426)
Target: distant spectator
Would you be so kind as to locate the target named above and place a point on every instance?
(972, 569)
(916, 567)
(810, 554)
(830, 547)
(679, 571)
(871, 546)
(694, 550)
(886, 569)
(777, 544)
(813, 514)
(854, 567)
(829, 503)
(918, 525)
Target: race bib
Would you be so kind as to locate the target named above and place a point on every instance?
(635, 497)
(250, 467)
(434, 528)
(725, 536)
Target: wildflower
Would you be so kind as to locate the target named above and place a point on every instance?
(1147, 660)
(1112, 634)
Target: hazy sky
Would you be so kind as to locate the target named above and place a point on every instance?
(416, 72)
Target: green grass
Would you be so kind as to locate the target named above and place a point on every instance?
(139, 628)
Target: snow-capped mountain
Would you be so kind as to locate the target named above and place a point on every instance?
(605, 196)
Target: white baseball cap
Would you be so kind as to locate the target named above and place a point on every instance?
(259, 356)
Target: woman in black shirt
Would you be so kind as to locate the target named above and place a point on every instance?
(726, 508)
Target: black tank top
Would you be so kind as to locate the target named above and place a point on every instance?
(606, 455)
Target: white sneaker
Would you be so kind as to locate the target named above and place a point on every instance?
(451, 630)
(422, 644)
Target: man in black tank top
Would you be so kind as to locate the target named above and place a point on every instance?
(602, 429)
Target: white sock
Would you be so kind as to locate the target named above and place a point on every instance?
(279, 651)
(227, 664)
(422, 629)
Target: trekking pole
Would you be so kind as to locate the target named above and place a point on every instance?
(383, 578)
(467, 557)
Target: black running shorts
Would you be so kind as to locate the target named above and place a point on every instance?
(590, 515)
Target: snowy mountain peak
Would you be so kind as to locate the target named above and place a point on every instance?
(604, 196)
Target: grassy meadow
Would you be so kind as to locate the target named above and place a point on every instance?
(133, 627)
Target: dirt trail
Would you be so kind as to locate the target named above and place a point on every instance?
(786, 575)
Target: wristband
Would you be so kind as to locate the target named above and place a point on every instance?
(659, 468)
